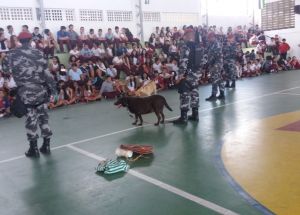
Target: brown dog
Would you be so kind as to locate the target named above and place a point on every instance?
(147, 90)
(145, 105)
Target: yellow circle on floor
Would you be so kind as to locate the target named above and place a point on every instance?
(263, 157)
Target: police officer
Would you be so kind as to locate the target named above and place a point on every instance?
(230, 56)
(187, 87)
(35, 84)
(215, 63)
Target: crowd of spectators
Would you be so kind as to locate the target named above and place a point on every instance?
(104, 65)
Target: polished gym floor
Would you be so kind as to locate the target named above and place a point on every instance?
(243, 157)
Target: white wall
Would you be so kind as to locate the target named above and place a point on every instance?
(167, 9)
(291, 35)
(231, 13)
(16, 23)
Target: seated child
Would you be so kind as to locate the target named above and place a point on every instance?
(4, 104)
(90, 93)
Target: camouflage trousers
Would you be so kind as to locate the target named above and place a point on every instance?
(230, 70)
(37, 117)
(189, 99)
(216, 78)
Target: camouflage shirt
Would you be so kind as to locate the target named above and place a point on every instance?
(30, 72)
(184, 53)
(230, 52)
(214, 53)
(189, 75)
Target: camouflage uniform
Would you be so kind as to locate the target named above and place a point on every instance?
(215, 62)
(188, 87)
(229, 56)
(35, 83)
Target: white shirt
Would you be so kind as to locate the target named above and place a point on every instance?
(117, 35)
(117, 60)
(96, 52)
(257, 66)
(1, 82)
(252, 67)
(173, 48)
(157, 67)
(101, 67)
(101, 52)
(109, 52)
(11, 83)
(76, 53)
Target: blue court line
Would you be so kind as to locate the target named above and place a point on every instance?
(220, 166)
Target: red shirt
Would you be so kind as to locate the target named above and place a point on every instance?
(283, 48)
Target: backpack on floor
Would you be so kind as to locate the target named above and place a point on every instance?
(138, 149)
(112, 166)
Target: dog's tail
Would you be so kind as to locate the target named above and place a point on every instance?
(167, 106)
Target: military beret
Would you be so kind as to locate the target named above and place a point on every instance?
(24, 35)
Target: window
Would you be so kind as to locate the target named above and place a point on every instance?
(70, 15)
(4, 14)
(278, 15)
(119, 16)
(15, 13)
(91, 15)
(54, 14)
(151, 17)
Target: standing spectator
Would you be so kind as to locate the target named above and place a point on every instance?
(73, 36)
(37, 38)
(283, 49)
(82, 38)
(3, 41)
(109, 36)
(10, 31)
(49, 44)
(92, 38)
(63, 38)
(100, 36)
(117, 34)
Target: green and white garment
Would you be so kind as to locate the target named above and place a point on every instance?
(112, 166)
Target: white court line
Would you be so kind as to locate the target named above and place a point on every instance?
(163, 185)
(292, 94)
(133, 128)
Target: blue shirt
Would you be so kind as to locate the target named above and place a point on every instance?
(86, 52)
(61, 34)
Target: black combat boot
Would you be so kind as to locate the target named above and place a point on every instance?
(221, 96)
(232, 84)
(33, 150)
(182, 120)
(227, 84)
(211, 98)
(194, 116)
(45, 149)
